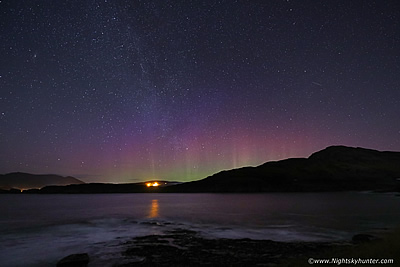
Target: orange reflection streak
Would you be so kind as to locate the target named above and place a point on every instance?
(154, 209)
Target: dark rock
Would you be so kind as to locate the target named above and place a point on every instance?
(362, 238)
(181, 247)
(74, 260)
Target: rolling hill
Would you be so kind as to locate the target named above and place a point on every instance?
(20, 180)
(336, 168)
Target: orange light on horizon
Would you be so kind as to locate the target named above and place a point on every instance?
(152, 184)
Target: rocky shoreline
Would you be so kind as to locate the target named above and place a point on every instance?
(184, 247)
(181, 247)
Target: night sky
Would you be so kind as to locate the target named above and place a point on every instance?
(126, 91)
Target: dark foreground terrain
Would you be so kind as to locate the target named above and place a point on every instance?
(181, 247)
(185, 248)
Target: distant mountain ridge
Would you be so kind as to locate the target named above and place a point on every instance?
(335, 168)
(106, 188)
(20, 180)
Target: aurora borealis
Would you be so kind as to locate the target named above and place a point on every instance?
(127, 91)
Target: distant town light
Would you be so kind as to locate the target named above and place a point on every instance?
(152, 184)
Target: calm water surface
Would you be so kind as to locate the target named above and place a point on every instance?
(38, 230)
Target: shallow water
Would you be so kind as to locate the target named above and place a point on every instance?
(38, 230)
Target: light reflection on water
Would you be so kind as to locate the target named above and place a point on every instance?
(154, 209)
(346, 211)
(97, 224)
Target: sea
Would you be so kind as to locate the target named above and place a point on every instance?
(39, 230)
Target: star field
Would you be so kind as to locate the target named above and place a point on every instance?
(127, 91)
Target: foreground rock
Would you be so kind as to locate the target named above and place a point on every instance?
(74, 260)
(184, 248)
(362, 238)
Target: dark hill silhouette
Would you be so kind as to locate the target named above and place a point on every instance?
(336, 168)
(100, 188)
(21, 180)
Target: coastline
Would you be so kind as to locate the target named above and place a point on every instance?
(182, 247)
(170, 230)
